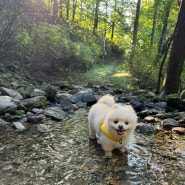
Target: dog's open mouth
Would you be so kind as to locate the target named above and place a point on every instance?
(120, 131)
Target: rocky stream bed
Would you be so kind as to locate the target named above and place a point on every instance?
(44, 139)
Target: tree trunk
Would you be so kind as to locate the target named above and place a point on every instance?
(67, 9)
(136, 22)
(154, 22)
(136, 25)
(177, 55)
(55, 11)
(162, 41)
(96, 16)
(74, 9)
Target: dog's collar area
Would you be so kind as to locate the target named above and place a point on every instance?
(103, 129)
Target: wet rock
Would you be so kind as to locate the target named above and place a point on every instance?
(14, 118)
(145, 128)
(81, 104)
(180, 115)
(170, 123)
(26, 93)
(66, 105)
(19, 126)
(43, 128)
(7, 104)
(10, 92)
(3, 125)
(164, 115)
(83, 96)
(161, 105)
(138, 106)
(97, 176)
(51, 92)
(123, 99)
(35, 102)
(37, 92)
(149, 119)
(37, 111)
(36, 119)
(55, 113)
(143, 113)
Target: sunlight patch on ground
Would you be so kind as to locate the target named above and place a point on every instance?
(122, 74)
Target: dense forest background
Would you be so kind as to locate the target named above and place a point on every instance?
(63, 36)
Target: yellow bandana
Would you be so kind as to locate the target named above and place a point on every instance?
(103, 129)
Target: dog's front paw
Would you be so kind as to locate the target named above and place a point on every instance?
(107, 155)
(122, 150)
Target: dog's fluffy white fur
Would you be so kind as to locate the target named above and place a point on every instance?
(119, 121)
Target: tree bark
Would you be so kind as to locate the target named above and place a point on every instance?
(177, 55)
(136, 22)
(96, 16)
(55, 11)
(154, 22)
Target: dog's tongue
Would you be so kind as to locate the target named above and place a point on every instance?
(120, 132)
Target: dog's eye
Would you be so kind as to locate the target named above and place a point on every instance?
(126, 122)
(116, 121)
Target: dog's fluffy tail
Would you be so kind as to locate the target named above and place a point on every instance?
(107, 99)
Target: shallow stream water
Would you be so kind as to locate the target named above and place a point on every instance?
(66, 156)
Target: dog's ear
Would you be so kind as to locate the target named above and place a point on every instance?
(115, 106)
(129, 107)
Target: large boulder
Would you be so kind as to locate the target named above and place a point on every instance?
(51, 92)
(55, 113)
(8, 104)
(37, 92)
(35, 102)
(10, 92)
(83, 96)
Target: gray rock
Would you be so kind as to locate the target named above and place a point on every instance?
(7, 104)
(43, 128)
(51, 92)
(149, 119)
(3, 125)
(55, 113)
(37, 111)
(37, 92)
(66, 105)
(36, 119)
(35, 102)
(19, 126)
(83, 96)
(145, 128)
(161, 105)
(138, 106)
(170, 123)
(10, 92)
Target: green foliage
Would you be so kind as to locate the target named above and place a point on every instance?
(65, 41)
(144, 68)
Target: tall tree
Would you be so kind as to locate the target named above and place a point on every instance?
(177, 55)
(55, 11)
(136, 22)
(156, 2)
(136, 26)
(97, 4)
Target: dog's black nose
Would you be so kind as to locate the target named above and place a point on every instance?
(120, 127)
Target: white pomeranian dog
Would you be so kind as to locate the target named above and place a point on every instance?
(111, 124)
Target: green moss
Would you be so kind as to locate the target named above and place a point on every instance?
(19, 112)
(66, 85)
